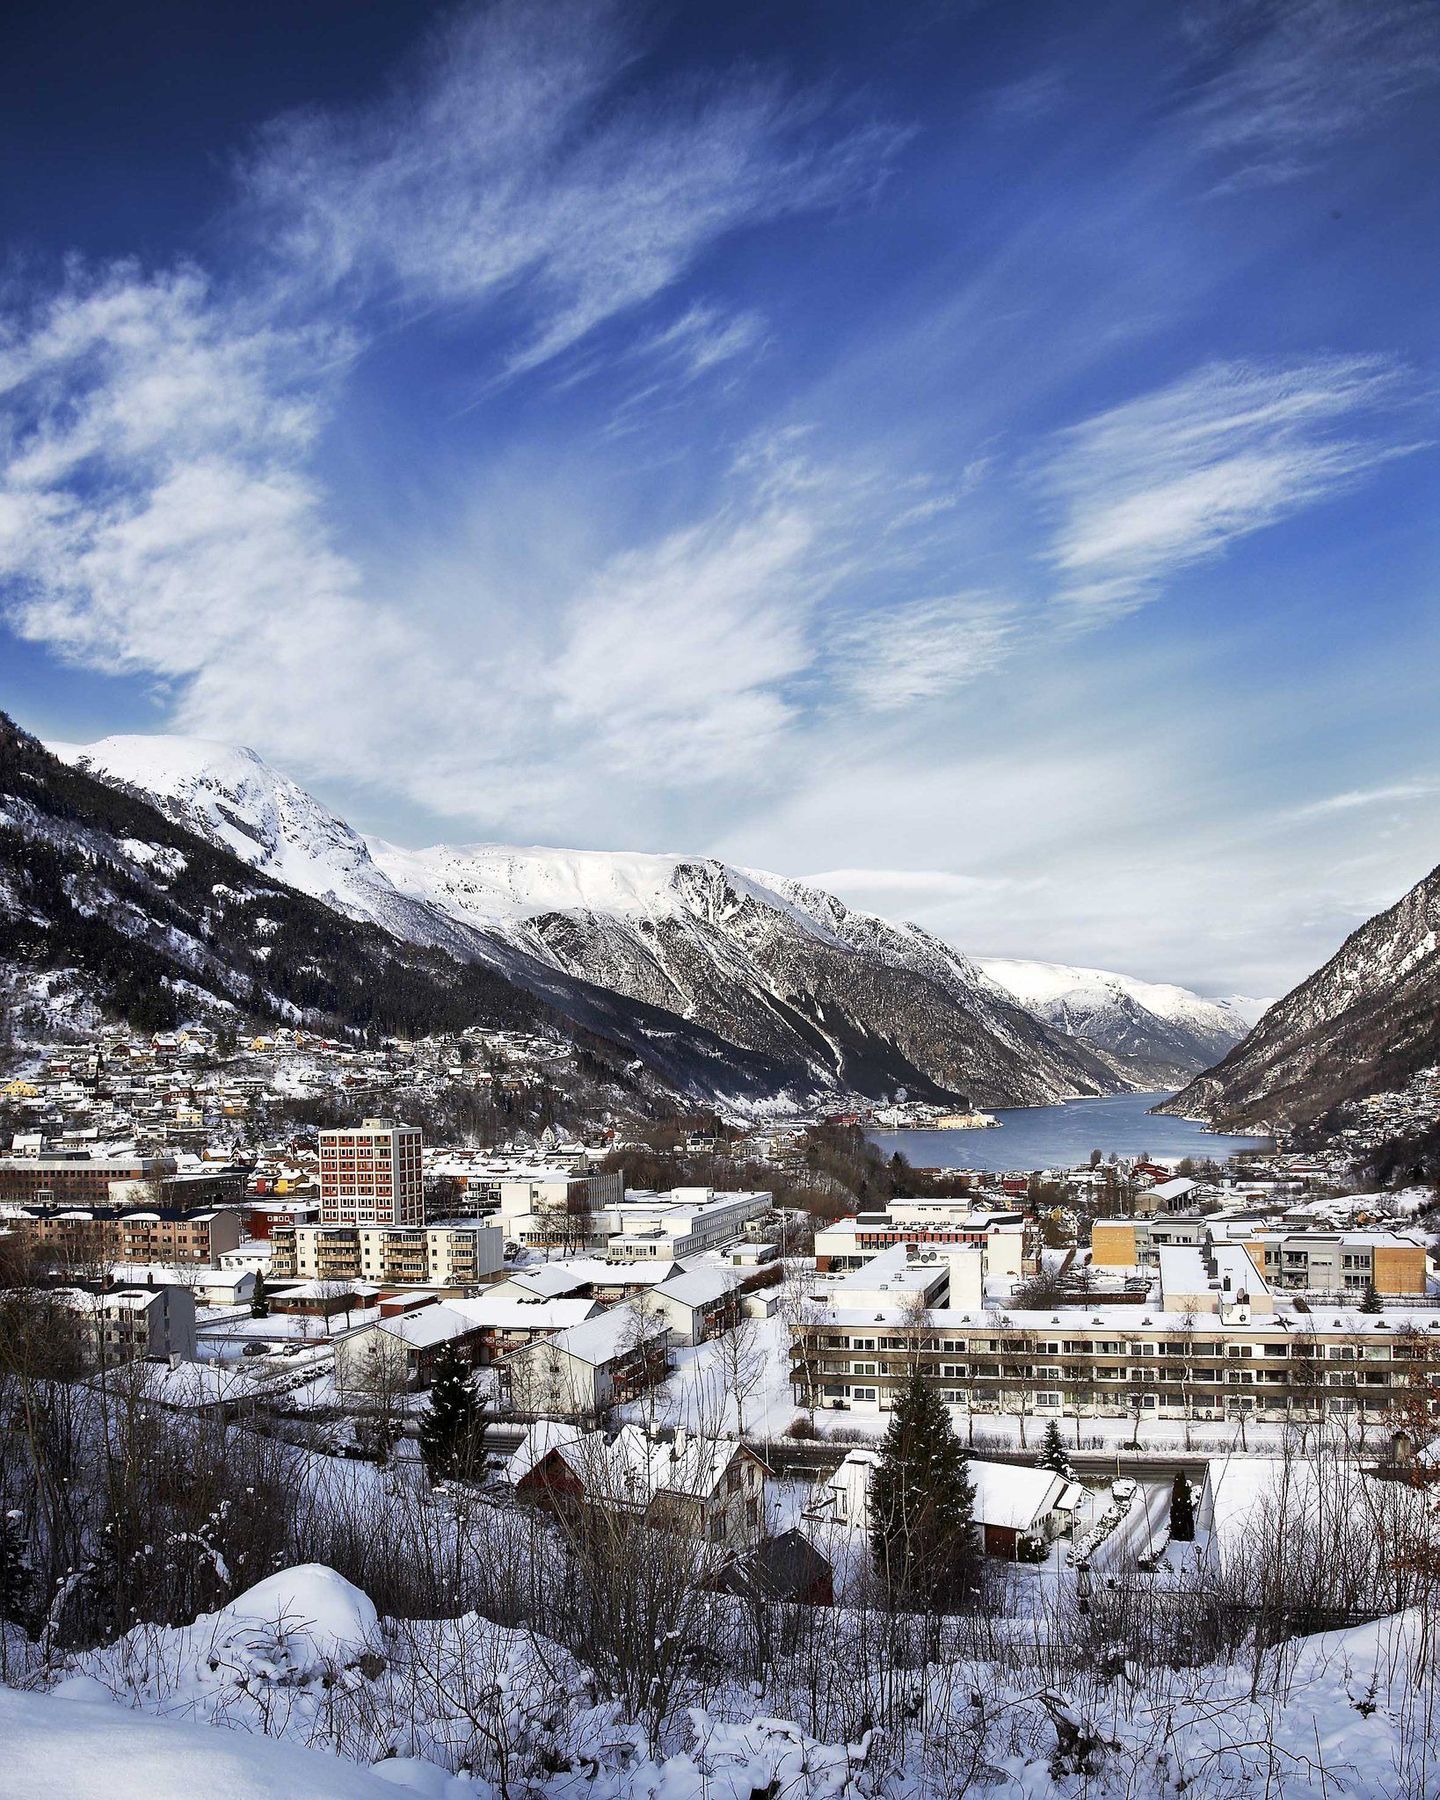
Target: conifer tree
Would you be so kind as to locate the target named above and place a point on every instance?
(259, 1299)
(453, 1428)
(14, 1570)
(1053, 1454)
(921, 1504)
(1182, 1510)
(1371, 1301)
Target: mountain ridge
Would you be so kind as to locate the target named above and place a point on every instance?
(785, 971)
(1159, 1027)
(771, 964)
(1363, 1023)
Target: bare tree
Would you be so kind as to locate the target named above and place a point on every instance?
(740, 1358)
(380, 1383)
(330, 1289)
(802, 1315)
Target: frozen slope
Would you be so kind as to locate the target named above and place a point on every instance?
(775, 968)
(1147, 1023)
(1364, 1024)
(237, 801)
(763, 961)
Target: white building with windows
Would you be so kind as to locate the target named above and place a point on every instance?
(372, 1174)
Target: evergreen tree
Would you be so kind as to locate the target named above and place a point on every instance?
(452, 1430)
(921, 1504)
(259, 1298)
(1371, 1301)
(14, 1571)
(1182, 1511)
(1052, 1453)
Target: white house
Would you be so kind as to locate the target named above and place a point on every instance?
(598, 1363)
(1010, 1502)
(697, 1303)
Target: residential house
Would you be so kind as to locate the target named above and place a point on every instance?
(406, 1345)
(707, 1488)
(122, 1325)
(582, 1371)
(697, 1304)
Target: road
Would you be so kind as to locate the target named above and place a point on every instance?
(806, 1456)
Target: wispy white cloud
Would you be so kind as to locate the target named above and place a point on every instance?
(674, 658)
(161, 507)
(158, 516)
(902, 656)
(902, 885)
(1354, 799)
(514, 158)
(1282, 80)
(1158, 484)
(704, 337)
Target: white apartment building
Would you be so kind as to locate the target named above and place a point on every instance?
(1216, 1345)
(457, 1253)
(644, 1225)
(372, 1174)
(940, 1225)
(891, 1279)
(512, 1190)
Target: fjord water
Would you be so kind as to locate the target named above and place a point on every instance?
(1055, 1137)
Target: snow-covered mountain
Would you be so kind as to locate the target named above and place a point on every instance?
(236, 800)
(764, 963)
(1155, 1028)
(1363, 1024)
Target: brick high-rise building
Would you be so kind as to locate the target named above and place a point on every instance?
(372, 1174)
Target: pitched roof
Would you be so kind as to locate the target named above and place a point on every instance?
(697, 1287)
(427, 1325)
(606, 1336)
(1017, 1498)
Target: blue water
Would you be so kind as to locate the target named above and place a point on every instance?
(1057, 1137)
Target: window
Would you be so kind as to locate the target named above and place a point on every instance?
(1047, 1397)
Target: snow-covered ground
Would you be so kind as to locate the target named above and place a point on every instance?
(300, 1667)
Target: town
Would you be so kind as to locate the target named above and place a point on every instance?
(320, 1275)
(546, 1335)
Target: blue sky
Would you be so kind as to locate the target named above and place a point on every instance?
(980, 455)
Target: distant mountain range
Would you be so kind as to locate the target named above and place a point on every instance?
(1363, 1024)
(744, 979)
(1151, 1027)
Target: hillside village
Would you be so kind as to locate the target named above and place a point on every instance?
(464, 1267)
(1126, 1300)
(403, 1260)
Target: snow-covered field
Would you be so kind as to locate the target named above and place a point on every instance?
(320, 1697)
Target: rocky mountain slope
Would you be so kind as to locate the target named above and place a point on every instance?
(109, 905)
(765, 962)
(1363, 1024)
(1161, 1033)
(781, 972)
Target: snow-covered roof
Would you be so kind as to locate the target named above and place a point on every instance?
(697, 1287)
(427, 1325)
(632, 1466)
(1174, 1190)
(542, 1437)
(1016, 1498)
(525, 1315)
(608, 1335)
